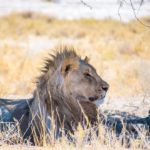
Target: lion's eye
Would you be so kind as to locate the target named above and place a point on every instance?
(87, 74)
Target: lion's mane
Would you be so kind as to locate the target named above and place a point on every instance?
(51, 100)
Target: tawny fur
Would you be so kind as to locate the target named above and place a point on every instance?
(51, 97)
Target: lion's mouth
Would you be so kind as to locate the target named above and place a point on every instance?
(92, 98)
(95, 98)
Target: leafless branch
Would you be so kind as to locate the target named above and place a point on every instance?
(121, 2)
(120, 6)
(87, 5)
(136, 15)
(141, 2)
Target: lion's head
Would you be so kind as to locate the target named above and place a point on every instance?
(69, 83)
(82, 82)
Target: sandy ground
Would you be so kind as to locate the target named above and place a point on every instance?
(134, 105)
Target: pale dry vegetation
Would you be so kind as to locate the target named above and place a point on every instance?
(119, 51)
(12, 139)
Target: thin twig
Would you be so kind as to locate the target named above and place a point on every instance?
(120, 6)
(137, 17)
(87, 5)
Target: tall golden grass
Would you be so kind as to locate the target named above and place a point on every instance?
(119, 51)
(106, 139)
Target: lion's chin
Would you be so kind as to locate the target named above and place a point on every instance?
(98, 102)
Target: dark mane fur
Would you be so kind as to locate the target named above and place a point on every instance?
(50, 96)
(55, 60)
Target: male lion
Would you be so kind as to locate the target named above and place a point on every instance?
(68, 90)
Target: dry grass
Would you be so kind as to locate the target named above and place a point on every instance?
(106, 140)
(120, 52)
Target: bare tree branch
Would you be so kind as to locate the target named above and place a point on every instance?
(136, 15)
(142, 1)
(87, 5)
(120, 6)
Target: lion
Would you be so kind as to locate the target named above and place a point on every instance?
(68, 89)
(68, 92)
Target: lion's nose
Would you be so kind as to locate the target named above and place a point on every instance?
(105, 87)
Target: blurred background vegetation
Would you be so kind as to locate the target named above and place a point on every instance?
(120, 51)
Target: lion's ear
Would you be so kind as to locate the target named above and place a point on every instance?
(68, 65)
(86, 59)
